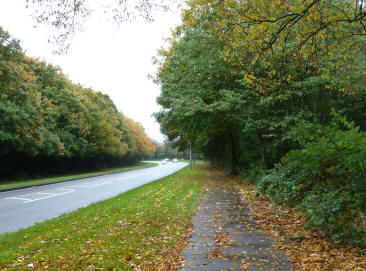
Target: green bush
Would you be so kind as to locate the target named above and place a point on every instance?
(326, 178)
(252, 173)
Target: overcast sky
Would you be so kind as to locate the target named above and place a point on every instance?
(107, 59)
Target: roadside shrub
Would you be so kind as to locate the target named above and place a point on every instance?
(253, 173)
(325, 178)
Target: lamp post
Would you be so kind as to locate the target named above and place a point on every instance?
(190, 152)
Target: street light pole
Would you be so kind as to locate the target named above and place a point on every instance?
(190, 152)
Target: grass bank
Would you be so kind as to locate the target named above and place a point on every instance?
(60, 178)
(135, 230)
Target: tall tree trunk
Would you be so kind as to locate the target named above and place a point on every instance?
(234, 153)
(261, 150)
(315, 117)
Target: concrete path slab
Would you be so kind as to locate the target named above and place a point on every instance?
(224, 236)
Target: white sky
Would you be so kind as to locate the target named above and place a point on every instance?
(107, 59)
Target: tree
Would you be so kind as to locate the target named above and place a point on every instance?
(199, 91)
(48, 124)
(294, 64)
(139, 145)
(218, 77)
(67, 17)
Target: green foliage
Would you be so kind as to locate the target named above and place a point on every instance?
(250, 81)
(44, 117)
(326, 177)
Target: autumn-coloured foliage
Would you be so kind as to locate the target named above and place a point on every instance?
(48, 123)
(139, 144)
(240, 79)
(307, 249)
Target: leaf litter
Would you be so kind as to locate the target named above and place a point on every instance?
(221, 238)
(307, 249)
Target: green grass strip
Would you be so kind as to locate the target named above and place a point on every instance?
(133, 231)
(31, 182)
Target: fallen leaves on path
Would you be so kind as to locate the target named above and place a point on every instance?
(223, 239)
(176, 255)
(216, 253)
(306, 249)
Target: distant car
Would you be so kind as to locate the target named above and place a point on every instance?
(175, 160)
(165, 161)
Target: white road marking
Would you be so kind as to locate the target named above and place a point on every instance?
(48, 195)
(26, 198)
(17, 198)
(42, 193)
(89, 185)
(53, 195)
(70, 189)
(99, 184)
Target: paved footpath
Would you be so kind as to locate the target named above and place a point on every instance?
(223, 237)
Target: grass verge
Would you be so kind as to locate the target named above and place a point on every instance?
(133, 231)
(31, 182)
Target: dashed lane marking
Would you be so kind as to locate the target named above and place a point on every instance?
(99, 184)
(89, 185)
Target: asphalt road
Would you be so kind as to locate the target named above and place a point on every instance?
(25, 207)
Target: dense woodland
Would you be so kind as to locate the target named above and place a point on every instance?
(49, 125)
(168, 150)
(276, 91)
